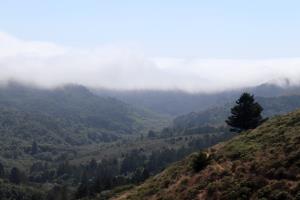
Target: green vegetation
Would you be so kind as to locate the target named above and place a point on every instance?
(71, 144)
(11, 191)
(200, 161)
(263, 163)
(246, 114)
(45, 134)
(68, 143)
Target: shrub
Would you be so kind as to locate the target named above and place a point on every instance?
(281, 195)
(200, 161)
(212, 188)
(297, 197)
(264, 192)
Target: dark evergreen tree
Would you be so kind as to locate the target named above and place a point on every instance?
(151, 134)
(34, 148)
(82, 190)
(2, 171)
(58, 193)
(63, 194)
(246, 114)
(15, 176)
(63, 168)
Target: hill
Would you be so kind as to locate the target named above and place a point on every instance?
(66, 123)
(70, 115)
(170, 102)
(263, 163)
(176, 102)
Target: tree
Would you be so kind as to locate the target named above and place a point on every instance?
(2, 171)
(15, 176)
(84, 187)
(151, 134)
(34, 148)
(246, 114)
(58, 193)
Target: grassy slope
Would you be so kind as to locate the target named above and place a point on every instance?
(260, 164)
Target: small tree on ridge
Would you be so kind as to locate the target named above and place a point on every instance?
(246, 114)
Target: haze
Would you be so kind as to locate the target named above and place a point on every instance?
(189, 46)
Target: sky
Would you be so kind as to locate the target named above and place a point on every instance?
(190, 45)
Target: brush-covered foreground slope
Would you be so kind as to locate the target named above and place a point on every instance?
(259, 164)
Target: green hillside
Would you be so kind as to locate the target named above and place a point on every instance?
(50, 135)
(260, 164)
(70, 115)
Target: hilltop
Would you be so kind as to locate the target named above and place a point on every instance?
(263, 163)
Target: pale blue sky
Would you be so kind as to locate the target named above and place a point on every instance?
(177, 28)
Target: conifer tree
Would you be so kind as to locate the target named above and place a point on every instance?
(34, 148)
(246, 114)
(2, 171)
(15, 176)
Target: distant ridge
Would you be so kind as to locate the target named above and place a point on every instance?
(176, 102)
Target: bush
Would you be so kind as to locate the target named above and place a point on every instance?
(200, 161)
(212, 188)
(297, 197)
(281, 195)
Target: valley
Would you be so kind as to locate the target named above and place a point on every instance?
(77, 144)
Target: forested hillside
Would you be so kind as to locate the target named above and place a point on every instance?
(70, 114)
(74, 144)
(45, 133)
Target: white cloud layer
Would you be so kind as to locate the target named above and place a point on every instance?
(49, 65)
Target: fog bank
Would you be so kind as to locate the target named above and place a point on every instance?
(110, 66)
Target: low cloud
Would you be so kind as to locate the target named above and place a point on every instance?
(50, 65)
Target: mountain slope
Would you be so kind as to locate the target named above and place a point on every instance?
(71, 114)
(66, 123)
(260, 164)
